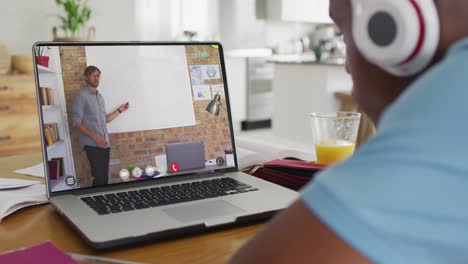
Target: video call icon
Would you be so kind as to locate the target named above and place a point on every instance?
(70, 181)
(219, 161)
(174, 167)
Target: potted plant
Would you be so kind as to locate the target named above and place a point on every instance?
(41, 58)
(77, 15)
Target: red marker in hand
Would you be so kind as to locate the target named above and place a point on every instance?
(123, 107)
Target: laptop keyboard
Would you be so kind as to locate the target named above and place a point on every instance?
(159, 196)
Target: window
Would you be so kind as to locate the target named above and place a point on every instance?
(167, 20)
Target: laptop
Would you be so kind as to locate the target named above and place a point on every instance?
(185, 156)
(133, 99)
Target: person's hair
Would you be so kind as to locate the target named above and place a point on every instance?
(90, 69)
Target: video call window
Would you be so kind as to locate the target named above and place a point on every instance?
(115, 114)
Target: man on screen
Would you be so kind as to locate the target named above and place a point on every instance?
(90, 118)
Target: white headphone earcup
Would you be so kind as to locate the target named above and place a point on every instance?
(400, 36)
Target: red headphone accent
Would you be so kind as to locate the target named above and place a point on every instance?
(422, 33)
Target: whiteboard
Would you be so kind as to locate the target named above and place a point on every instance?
(153, 79)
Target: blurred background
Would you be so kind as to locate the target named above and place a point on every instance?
(284, 58)
(239, 24)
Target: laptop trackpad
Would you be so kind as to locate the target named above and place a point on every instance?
(206, 210)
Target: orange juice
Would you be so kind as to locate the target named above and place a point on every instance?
(334, 150)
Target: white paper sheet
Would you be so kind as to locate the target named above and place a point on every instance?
(15, 199)
(15, 183)
(36, 170)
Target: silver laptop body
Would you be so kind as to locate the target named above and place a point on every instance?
(260, 200)
(187, 155)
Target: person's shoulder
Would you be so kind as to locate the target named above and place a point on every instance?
(428, 95)
(81, 94)
(83, 91)
(451, 70)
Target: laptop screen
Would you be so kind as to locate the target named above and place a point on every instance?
(121, 112)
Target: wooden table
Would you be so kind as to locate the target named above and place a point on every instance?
(34, 225)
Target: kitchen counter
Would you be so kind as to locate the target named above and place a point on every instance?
(305, 59)
(336, 62)
(301, 87)
(259, 79)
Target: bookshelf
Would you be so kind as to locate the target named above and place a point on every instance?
(50, 107)
(45, 69)
(54, 112)
(55, 145)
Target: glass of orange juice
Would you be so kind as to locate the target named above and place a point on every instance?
(334, 135)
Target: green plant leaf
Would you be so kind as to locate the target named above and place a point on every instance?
(63, 19)
(74, 24)
(38, 51)
(77, 15)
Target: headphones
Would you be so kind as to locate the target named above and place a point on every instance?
(399, 36)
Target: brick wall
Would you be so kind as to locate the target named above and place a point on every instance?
(73, 61)
(140, 148)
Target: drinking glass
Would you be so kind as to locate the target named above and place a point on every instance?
(334, 135)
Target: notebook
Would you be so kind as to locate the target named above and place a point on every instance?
(117, 105)
(45, 252)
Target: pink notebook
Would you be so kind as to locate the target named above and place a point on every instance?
(46, 252)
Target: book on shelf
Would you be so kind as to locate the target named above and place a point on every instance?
(46, 97)
(55, 132)
(51, 133)
(42, 96)
(60, 166)
(56, 168)
(53, 169)
(47, 137)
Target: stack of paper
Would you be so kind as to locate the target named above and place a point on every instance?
(16, 194)
(36, 170)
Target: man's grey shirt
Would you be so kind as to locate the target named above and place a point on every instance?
(89, 109)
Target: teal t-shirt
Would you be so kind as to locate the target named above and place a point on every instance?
(403, 196)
